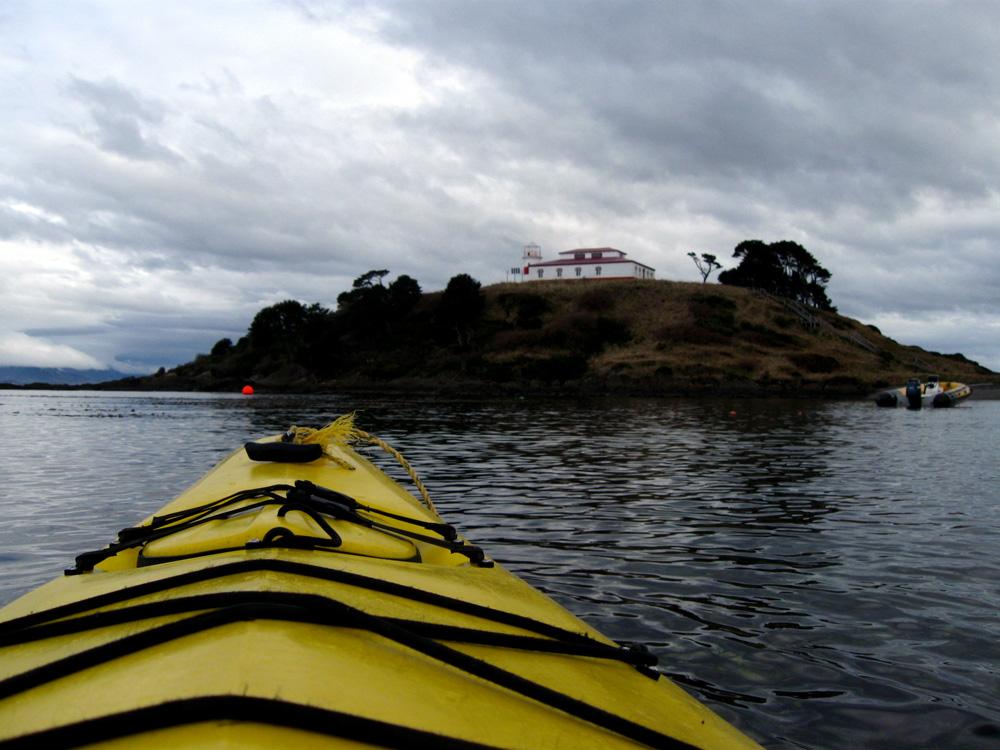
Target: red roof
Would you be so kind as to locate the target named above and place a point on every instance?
(593, 250)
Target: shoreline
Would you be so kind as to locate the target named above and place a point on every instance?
(488, 391)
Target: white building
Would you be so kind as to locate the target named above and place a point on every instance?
(583, 263)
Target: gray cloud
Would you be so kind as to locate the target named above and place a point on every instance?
(283, 153)
(121, 119)
(888, 102)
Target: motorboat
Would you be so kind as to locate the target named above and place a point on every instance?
(934, 392)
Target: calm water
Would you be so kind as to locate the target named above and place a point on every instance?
(825, 575)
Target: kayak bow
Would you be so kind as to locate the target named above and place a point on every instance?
(297, 595)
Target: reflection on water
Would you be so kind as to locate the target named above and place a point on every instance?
(824, 574)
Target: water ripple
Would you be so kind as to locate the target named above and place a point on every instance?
(803, 567)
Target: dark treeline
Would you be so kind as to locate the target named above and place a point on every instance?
(378, 329)
(391, 331)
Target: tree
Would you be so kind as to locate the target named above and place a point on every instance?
(279, 327)
(319, 348)
(461, 306)
(783, 268)
(364, 308)
(368, 280)
(706, 264)
(289, 330)
(370, 310)
(222, 347)
(404, 294)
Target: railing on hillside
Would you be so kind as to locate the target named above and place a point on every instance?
(860, 340)
(812, 322)
(921, 364)
(816, 323)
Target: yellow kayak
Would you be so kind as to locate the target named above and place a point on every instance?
(298, 596)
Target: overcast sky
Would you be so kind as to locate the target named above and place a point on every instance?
(167, 169)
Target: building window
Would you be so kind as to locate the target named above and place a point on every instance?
(559, 273)
(595, 255)
(578, 270)
(597, 270)
(541, 272)
(579, 256)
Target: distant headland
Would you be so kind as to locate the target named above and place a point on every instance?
(635, 337)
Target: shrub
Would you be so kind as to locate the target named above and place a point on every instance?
(714, 313)
(596, 300)
(815, 363)
(523, 309)
(517, 339)
(689, 334)
(585, 334)
(556, 368)
(716, 301)
(763, 336)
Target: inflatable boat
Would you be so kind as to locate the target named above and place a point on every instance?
(917, 395)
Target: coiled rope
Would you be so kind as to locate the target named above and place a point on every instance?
(342, 432)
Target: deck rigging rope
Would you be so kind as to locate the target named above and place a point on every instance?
(311, 499)
(342, 432)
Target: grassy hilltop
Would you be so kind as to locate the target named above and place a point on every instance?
(641, 337)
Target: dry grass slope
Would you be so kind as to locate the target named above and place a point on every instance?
(692, 336)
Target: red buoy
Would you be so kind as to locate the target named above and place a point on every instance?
(248, 390)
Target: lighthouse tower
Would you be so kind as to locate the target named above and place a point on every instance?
(532, 253)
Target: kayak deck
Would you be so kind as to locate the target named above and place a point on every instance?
(319, 603)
